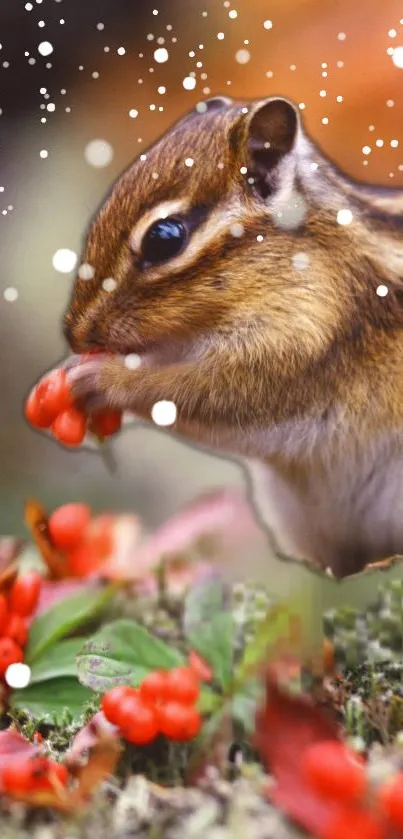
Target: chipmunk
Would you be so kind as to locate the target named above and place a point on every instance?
(258, 310)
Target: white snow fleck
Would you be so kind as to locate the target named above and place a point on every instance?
(64, 260)
(268, 24)
(237, 230)
(366, 149)
(189, 162)
(18, 675)
(161, 55)
(133, 113)
(189, 83)
(242, 56)
(10, 294)
(86, 271)
(382, 290)
(98, 153)
(397, 57)
(164, 412)
(132, 361)
(45, 48)
(344, 217)
(43, 153)
(121, 51)
(109, 284)
(300, 260)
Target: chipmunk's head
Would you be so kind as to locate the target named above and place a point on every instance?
(210, 233)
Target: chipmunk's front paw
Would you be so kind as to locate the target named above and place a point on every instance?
(99, 382)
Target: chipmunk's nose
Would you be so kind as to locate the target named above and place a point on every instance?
(80, 336)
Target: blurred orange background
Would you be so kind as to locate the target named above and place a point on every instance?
(335, 57)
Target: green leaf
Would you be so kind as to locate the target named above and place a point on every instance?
(123, 652)
(209, 628)
(53, 701)
(214, 642)
(245, 703)
(209, 701)
(273, 628)
(64, 617)
(203, 602)
(58, 661)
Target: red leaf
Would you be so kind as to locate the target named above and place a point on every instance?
(285, 726)
(13, 746)
(53, 591)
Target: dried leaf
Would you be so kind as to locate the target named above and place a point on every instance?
(13, 746)
(101, 740)
(87, 738)
(10, 549)
(37, 522)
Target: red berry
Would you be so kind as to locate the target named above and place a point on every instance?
(179, 722)
(183, 686)
(84, 560)
(54, 393)
(200, 667)
(100, 534)
(24, 594)
(10, 653)
(138, 721)
(70, 427)
(35, 412)
(105, 423)
(3, 614)
(154, 687)
(334, 771)
(67, 525)
(390, 797)
(17, 630)
(19, 776)
(350, 824)
(111, 702)
(35, 773)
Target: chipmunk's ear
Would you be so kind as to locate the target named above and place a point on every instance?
(269, 133)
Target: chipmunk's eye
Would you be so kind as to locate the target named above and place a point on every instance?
(164, 240)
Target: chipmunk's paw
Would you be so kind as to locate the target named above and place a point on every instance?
(99, 382)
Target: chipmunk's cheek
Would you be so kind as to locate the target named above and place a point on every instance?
(95, 383)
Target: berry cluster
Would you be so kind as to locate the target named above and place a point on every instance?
(50, 405)
(86, 541)
(33, 774)
(15, 610)
(338, 774)
(164, 704)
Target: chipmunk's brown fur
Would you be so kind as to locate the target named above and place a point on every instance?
(273, 344)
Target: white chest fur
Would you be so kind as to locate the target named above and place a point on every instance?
(348, 514)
